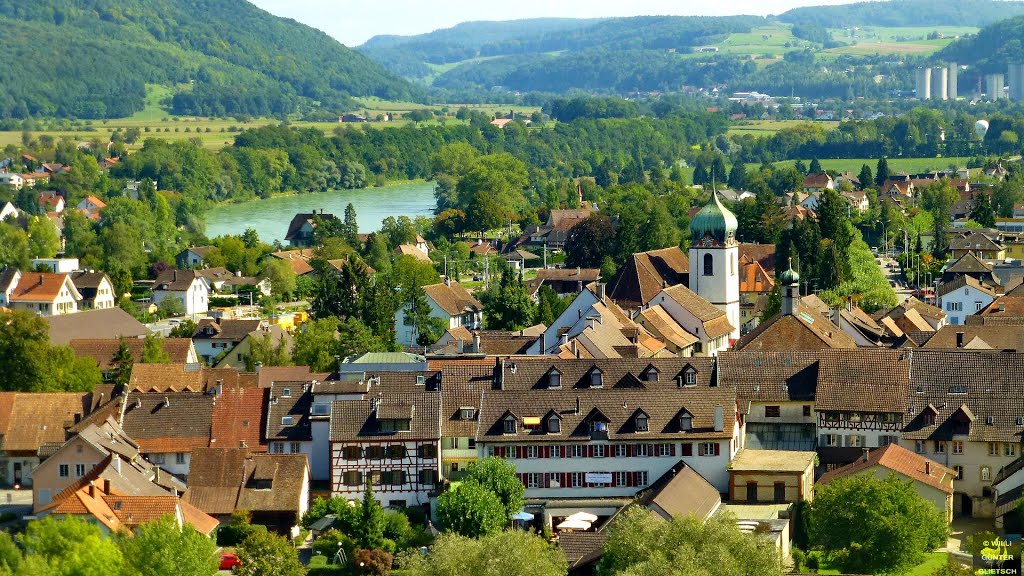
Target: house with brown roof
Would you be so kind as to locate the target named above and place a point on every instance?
(931, 316)
(274, 488)
(32, 425)
(563, 281)
(555, 231)
(645, 274)
(697, 316)
(401, 429)
(240, 357)
(96, 289)
(816, 182)
(805, 329)
(486, 342)
(103, 350)
(412, 251)
(216, 337)
(288, 424)
(224, 281)
(167, 426)
(970, 265)
(297, 259)
(193, 257)
(191, 289)
(91, 207)
(755, 286)
(9, 277)
(964, 296)
(1004, 308)
(97, 323)
(977, 243)
(302, 228)
(931, 480)
(779, 476)
(450, 303)
(45, 294)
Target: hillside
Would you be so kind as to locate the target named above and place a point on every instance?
(991, 49)
(92, 58)
(906, 13)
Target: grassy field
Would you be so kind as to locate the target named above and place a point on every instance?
(932, 562)
(770, 127)
(909, 165)
(763, 40)
(893, 40)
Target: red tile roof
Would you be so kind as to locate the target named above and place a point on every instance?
(899, 460)
(40, 287)
(238, 418)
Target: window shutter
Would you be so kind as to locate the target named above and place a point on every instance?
(650, 450)
(687, 449)
(718, 449)
(863, 441)
(565, 479)
(520, 452)
(589, 451)
(671, 449)
(629, 479)
(545, 480)
(823, 440)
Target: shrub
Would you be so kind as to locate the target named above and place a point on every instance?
(799, 558)
(813, 561)
(376, 562)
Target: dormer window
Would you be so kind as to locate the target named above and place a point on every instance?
(650, 375)
(685, 422)
(554, 379)
(467, 413)
(688, 377)
(598, 426)
(641, 422)
(510, 425)
(286, 393)
(554, 424)
(287, 420)
(596, 379)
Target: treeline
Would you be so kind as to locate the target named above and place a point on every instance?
(992, 48)
(906, 13)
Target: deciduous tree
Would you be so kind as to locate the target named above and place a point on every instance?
(471, 510)
(162, 548)
(499, 554)
(265, 554)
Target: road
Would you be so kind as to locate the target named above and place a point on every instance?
(895, 276)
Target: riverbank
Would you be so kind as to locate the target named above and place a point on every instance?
(270, 217)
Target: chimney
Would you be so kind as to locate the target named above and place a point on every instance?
(106, 486)
(543, 343)
(866, 452)
(600, 291)
(577, 405)
(116, 464)
(476, 342)
(959, 339)
(499, 374)
(259, 366)
(92, 489)
(928, 467)
(447, 281)
(1002, 306)
(219, 388)
(719, 418)
(460, 345)
(167, 402)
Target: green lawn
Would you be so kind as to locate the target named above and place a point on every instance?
(762, 40)
(896, 40)
(770, 127)
(909, 165)
(932, 562)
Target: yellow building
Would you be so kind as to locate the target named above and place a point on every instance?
(772, 476)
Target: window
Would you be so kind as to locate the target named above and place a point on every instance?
(320, 409)
(620, 478)
(575, 479)
(393, 425)
(772, 412)
(554, 424)
(598, 426)
(884, 440)
(510, 425)
(532, 452)
(353, 478)
(533, 480)
(977, 306)
(596, 379)
(751, 491)
(393, 477)
(686, 422)
(374, 452)
(428, 477)
(428, 451)
(807, 410)
(940, 447)
(666, 450)
(650, 375)
(707, 449)
(396, 452)
(690, 378)
(352, 452)
(467, 413)
(599, 451)
(620, 450)
(576, 451)
(958, 446)
(156, 458)
(959, 472)
(641, 478)
(919, 447)
(854, 441)
(179, 458)
(709, 265)
(955, 306)
(286, 393)
(554, 379)
(63, 470)
(642, 450)
(286, 420)
(641, 422)
(986, 474)
(396, 504)
(832, 440)
(1009, 449)
(993, 449)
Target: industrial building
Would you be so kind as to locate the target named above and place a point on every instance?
(994, 85)
(1015, 81)
(939, 83)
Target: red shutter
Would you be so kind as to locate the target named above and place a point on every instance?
(671, 449)
(629, 450)
(520, 452)
(687, 449)
(564, 479)
(545, 452)
(718, 449)
(651, 450)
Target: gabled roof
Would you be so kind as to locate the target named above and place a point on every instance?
(997, 336)
(359, 420)
(902, 461)
(968, 264)
(86, 280)
(965, 281)
(817, 180)
(239, 419)
(412, 251)
(99, 323)
(102, 350)
(645, 274)
(769, 376)
(974, 241)
(274, 483)
(175, 280)
(298, 259)
(225, 329)
(754, 278)
(682, 492)
(865, 380)
(301, 219)
(806, 330)
(28, 421)
(663, 326)
(452, 298)
(43, 287)
(168, 422)
(289, 400)
(715, 321)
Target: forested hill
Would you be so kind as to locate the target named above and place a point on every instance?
(92, 58)
(412, 55)
(991, 49)
(902, 13)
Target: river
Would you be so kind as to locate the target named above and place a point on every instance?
(270, 217)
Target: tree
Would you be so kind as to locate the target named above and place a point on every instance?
(510, 306)
(815, 167)
(500, 554)
(265, 554)
(870, 525)
(718, 174)
(162, 548)
(499, 476)
(263, 350)
(153, 350)
(881, 171)
(982, 212)
(171, 306)
(370, 533)
(588, 241)
(773, 305)
(938, 199)
(69, 547)
(122, 362)
(185, 329)
(43, 241)
(316, 344)
(471, 510)
(738, 176)
(350, 227)
(10, 555)
(685, 545)
(14, 250)
(550, 305)
(281, 275)
(865, 177)
(428, 327)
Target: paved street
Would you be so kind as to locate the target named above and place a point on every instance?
(891, 271)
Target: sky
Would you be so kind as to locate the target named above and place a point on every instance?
(353, 22)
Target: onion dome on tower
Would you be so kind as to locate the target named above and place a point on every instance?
(714, 225)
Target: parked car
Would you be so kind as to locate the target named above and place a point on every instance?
(229, 561)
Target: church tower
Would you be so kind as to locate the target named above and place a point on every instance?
(714, 260)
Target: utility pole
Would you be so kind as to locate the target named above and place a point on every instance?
(487, 268)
